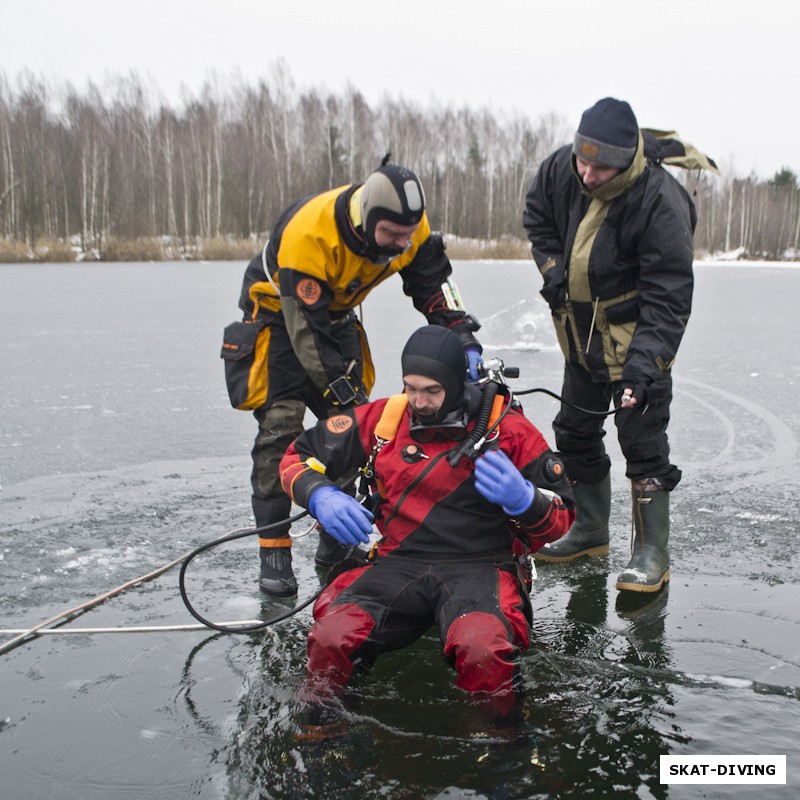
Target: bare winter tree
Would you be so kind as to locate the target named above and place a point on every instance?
(86, 166)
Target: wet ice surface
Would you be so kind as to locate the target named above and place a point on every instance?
(118, 453)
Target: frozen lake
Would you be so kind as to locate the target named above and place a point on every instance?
(119, 452)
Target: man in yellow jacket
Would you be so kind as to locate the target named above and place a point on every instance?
(326, 253)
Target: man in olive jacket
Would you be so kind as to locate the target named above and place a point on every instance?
(611, 232)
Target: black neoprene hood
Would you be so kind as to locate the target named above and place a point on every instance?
(436, 352)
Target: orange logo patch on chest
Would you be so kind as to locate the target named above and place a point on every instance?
(339, 423)
(309, 291)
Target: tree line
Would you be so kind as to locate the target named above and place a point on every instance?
(108, 163)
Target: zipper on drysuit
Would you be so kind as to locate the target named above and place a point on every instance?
(411, 486)
(594, 311)
(591, 327)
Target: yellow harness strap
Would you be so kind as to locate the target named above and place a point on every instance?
(389, 422)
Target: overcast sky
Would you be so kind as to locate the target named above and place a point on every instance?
(723, 74)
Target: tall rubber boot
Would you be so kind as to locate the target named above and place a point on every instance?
(588, 535)
(275, 546)
(648, 569)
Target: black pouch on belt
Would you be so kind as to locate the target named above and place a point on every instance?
(244, 350)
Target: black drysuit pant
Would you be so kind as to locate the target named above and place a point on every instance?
(642, 430)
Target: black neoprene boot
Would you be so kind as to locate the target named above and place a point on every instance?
(588, 535)
(275, 546)
(330, 551)
(648, 569)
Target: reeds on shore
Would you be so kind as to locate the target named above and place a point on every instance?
(218, 248)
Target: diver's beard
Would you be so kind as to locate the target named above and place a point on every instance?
(426, 419)
(439, 417)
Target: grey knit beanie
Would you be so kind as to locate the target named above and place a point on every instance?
(608, 134)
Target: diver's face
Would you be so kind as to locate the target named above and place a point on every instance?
(425, 395)
(391, 235)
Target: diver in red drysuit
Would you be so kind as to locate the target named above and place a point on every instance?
(452, 535)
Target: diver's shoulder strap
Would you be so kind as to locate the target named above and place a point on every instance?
(389, 422)
(385, 431)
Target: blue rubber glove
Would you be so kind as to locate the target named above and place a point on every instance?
(474, 358)
(342, 516)
(499, 481)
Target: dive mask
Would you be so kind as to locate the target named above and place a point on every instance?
(453, 428)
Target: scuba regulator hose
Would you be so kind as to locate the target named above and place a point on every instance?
(229, 537)
(493, 373)
(471, 446)
(609, 413)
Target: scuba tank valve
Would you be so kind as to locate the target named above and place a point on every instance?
(492, 374)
